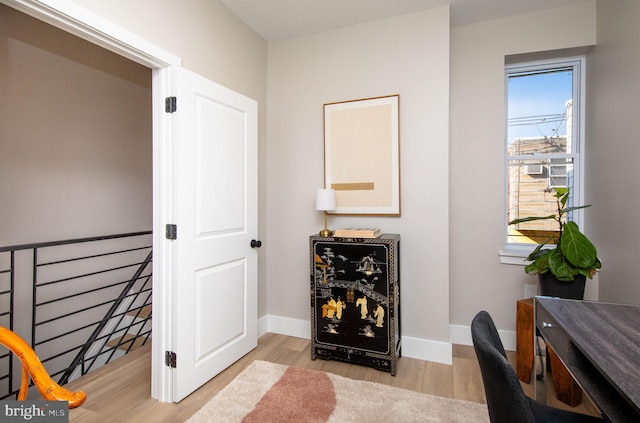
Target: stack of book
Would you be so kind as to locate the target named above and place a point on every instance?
(357, 233)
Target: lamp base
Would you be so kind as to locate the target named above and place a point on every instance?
(326, 233)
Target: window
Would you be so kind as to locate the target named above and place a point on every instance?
(534, 169)
(558, 173)
(543, 145)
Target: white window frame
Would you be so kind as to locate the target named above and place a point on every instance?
(551, 165)
(515, 253)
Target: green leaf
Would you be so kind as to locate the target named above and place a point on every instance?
(597, 264)
(532, 269)
(585, 272)
(529, 219)
(538, 252)
(562, 194)
(577, 249)
(540, 261)
(560, 267)
(568, 209)
(560, 191)
(591, 270)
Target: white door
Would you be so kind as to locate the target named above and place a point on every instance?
(214, 304)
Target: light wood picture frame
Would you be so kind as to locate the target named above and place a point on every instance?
(362, 155)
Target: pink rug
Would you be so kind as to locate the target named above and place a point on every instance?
(268, 392)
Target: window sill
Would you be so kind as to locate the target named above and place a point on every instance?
(514, 256)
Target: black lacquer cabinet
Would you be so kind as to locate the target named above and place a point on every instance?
(355, 300)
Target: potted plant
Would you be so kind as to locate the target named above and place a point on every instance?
(573, 259)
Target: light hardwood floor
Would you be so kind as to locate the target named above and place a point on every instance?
(120, 392)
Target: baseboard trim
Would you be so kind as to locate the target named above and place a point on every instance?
(427, 350)
(422, 349)
(461, 335)
(284, 326)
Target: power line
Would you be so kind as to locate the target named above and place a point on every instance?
(537, 119)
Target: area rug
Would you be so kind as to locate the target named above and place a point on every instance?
(268, 392)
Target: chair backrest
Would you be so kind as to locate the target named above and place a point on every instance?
(506, 400)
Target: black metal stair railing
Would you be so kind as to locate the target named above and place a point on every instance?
(96, 336)
(81, 302)
(6, 319)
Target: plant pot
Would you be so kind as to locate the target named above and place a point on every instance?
(550, 286)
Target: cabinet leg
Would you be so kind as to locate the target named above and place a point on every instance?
(567, 389)
(524, 339)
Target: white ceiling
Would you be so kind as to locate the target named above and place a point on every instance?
(278, 19)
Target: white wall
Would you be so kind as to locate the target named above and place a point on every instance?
(478, 280)
(214, 43)
(406, 55)
(75, 136)
(206, 35)
(613, 128)
(211, 41)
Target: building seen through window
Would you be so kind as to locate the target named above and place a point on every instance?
(542, 146)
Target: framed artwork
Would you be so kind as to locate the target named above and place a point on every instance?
(362, 155)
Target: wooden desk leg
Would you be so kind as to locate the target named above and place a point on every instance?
(524, 339)
(567, 389)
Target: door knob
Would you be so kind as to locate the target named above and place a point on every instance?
(256, 244)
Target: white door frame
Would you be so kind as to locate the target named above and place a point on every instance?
(71, 17)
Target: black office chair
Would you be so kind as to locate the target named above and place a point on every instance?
(506, 401)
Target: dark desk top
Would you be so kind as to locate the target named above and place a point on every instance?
(606, 335)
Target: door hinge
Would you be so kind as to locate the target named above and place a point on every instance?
(170, 359)
(172, 231)
(170, 104)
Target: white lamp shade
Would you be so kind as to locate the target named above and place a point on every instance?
(326, 199)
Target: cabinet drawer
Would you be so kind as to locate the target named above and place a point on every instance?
(552, 332)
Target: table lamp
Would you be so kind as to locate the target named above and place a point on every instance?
(325, 201)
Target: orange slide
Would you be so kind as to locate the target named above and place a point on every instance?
(31, 365)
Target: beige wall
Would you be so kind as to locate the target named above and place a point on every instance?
(211, 41)
(75, 136)
(205, 34)
(450, 265)
(406, 55)
(613, 128)
(478, 281)
(216, 44)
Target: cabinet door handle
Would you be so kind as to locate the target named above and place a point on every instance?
(547, 325)
(256, 244)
